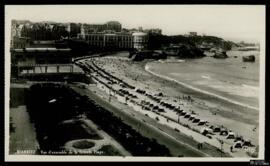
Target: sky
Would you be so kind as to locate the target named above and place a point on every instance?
(231, 22)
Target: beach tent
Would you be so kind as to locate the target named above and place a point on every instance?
(183, 113)
(224, 132)
(231, 135)
(151, 105)
(192, 117)
(179, 111)
(238, 144)
(205, 131)
(201, 122)
(247, 143)
(161, 110)
(216, 128)
(238, 138)
(175, 109)
(187, 116)
(196, 120)
(159, 94)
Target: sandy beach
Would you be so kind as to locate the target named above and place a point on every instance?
(242, 120)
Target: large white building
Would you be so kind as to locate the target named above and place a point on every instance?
(109, 40)
(137, 40)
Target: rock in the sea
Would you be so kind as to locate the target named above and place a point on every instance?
(221, 55)
(184, 51)
(250, 58)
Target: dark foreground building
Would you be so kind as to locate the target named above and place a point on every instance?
(42, 61)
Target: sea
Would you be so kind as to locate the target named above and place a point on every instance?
(230, 78)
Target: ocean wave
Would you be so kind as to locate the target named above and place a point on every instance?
(147, 68)
(172, 61)
(250, 87)
(206, 76)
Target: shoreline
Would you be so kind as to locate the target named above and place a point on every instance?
(206, 107)
(146, 68)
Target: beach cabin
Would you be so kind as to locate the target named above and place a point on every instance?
(230, 135)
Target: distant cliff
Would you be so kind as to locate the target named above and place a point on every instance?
(212, 41)
(157, 41)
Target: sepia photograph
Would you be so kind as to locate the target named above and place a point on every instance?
(134, 82)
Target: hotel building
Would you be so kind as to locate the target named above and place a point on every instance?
(120, 40)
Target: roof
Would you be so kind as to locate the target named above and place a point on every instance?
(204, 121)
(204, 128)
(238, 142)
(139, 34)
(43, 50)
(110, 34)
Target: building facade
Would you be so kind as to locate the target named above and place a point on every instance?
(153, 31)
(73, 29)
(109, 40)
(113, 26)
(193, 33)
(19, 42)
(40, 61)
(140, 41)
(137, 40)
